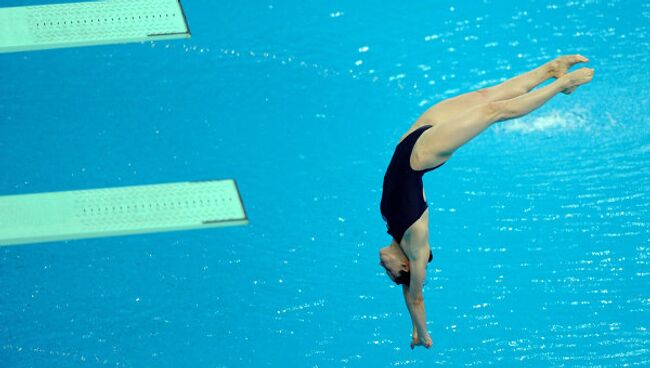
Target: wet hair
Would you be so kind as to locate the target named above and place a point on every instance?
(404, 277)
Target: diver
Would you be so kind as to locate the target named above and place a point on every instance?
(428, 144)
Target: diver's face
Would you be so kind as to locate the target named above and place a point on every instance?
(388, 271)
(393, 263)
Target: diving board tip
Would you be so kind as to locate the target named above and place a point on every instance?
(41, 217)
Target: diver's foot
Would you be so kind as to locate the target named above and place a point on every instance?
(577, 78)
(568, 91)
(562, 64)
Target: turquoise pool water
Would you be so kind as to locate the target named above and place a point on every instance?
(540, 227)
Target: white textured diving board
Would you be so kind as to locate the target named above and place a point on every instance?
(90, 23)
(33, 218)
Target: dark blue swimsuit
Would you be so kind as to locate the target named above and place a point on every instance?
(402, 202)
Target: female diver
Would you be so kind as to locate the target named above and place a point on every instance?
(428, 144)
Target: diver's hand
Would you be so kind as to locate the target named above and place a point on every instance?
(414, 337)
(420, 341)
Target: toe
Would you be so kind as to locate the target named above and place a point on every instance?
(579, 58)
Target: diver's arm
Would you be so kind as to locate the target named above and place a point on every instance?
(415, 298)
(407, 296)
(414, 334)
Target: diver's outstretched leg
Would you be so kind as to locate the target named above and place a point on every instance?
(514, 87)
(523, 83)
(437, 144)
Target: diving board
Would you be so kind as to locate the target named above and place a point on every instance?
(90, 23)
(41, 217)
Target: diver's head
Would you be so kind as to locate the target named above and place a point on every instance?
(396, 264)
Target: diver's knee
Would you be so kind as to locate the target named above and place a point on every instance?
(498, 110)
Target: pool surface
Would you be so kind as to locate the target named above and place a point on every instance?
(540, 227)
